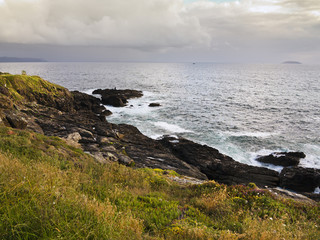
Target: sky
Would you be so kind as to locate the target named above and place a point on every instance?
(235, 31)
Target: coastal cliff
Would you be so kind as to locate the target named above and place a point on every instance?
(61, 140)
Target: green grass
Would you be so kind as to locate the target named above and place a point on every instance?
(17, 89)
(49, 190)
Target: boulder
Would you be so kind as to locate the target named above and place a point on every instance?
(125, 160)
(16, 121)
(154, 105)
(73, 139)
(110, 157)
(85, 133)
(282, 158)
(300, 179)
(100, 158)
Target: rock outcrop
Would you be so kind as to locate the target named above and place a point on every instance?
(154, 105)
(80, 119)
(87, 102)
(16, 121)
(300, 179)
(217, 166)
(284, 159)
(117, 98)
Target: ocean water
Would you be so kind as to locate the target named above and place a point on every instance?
(242, 110)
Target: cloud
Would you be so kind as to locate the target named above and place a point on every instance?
(255, 28)
(283, 27)
(121, 23)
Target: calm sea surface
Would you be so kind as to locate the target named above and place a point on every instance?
(242, 110)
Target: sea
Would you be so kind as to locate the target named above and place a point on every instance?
(243, 110)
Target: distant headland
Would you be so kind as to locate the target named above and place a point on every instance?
(291, 62)
(16, 59)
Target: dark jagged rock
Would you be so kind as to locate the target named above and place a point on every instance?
(106, 113)
(114, 101)
(84, 101)
(282, 158)
(97, 136)
(218, 166)
(300, 179)
(154, 105)
(117, 98)
(126, 93)
(239, 173)
(147, 152)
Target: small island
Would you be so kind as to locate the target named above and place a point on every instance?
(291, 62)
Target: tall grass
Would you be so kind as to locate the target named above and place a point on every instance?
(49, 190)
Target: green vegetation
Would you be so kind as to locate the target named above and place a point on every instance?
(49, 190)
(21, 88)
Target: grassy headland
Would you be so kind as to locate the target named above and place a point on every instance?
(51, 190)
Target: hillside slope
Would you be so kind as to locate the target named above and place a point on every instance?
(50, 189)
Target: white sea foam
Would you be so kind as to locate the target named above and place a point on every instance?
(172, 128)
(317, 190)
(264, 152)
(312, 159)
(89, 91)
(156, 136)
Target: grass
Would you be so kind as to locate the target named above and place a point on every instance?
(17, 89)
(20, 86)
(50, 190)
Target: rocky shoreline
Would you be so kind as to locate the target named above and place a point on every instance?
(80, 119)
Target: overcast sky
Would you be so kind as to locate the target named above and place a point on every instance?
(262, 31)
